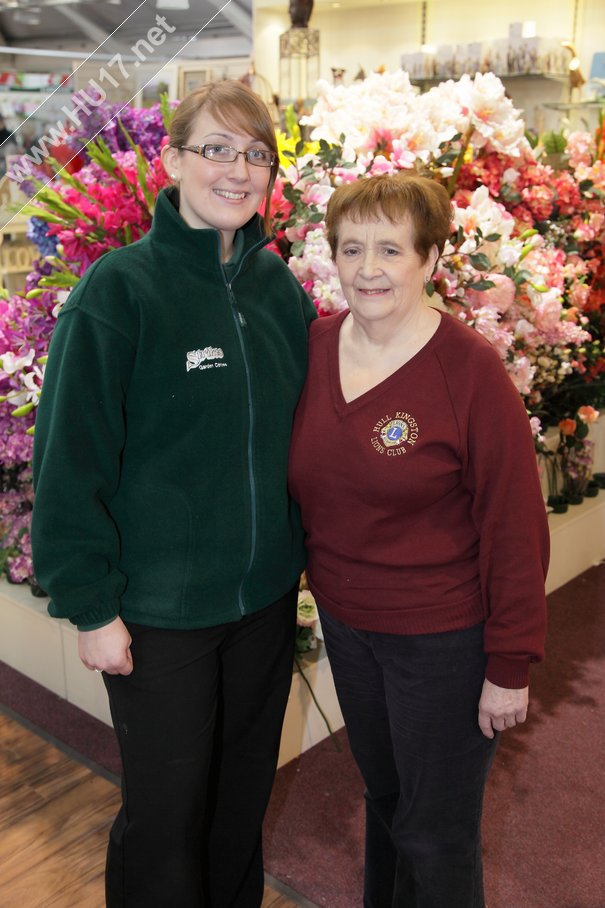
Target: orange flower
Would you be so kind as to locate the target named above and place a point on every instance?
(567, 426)
(588, 414)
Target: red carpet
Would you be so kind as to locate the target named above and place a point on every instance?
(544, 819)
(544, 826)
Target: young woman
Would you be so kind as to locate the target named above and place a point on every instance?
(162, 525)
(414, 464)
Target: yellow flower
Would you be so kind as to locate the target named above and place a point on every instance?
(289, 143)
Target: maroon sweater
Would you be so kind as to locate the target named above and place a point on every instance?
(421, 499)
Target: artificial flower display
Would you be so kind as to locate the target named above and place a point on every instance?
(524, 265)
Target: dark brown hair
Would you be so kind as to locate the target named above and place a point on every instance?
(236, 106)
(395, 197)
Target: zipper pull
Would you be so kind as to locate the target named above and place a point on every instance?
(241, 318)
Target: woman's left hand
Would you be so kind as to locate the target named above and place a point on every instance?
(501, 708)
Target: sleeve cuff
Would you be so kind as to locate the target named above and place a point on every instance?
(94, 627)
(89, 620)
(510, 672)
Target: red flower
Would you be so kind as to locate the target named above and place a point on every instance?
(567, 427)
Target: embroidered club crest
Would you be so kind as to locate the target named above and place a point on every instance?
(394, 434)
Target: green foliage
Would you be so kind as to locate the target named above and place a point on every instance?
(166, 111)
(554, 142)
(291, 122)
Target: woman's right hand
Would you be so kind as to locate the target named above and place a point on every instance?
(106, 649)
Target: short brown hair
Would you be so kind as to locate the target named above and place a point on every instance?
(237, 106)
(395, 197)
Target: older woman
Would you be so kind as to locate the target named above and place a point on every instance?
(413, 462)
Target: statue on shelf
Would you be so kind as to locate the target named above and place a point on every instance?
(300, 13)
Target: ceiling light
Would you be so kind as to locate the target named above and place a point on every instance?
(172, 4)
(528, 30)
(27, 16)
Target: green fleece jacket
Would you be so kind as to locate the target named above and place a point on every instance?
(161, 447)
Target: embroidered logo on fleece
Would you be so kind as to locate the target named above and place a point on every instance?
(394, 435)
(198, 359)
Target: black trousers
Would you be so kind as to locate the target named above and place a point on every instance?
(410, 708)
(198, 723)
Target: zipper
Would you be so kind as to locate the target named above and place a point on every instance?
(240, 324)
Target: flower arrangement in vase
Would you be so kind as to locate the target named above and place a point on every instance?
(575, 455)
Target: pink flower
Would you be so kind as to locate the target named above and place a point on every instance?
(569, 197)
(344, 175)
(536, 175)
(499, 297)
(540, 200)
(580, 148)
(19, 568)
(578, 295)
(547, 310)
(380, 164)
(523, 217)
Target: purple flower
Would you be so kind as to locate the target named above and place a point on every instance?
(37, 232)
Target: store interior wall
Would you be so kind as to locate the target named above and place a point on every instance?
(376, 36)
(356, 35)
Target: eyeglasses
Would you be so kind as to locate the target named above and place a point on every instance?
(225, 154)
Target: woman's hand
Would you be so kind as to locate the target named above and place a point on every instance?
(107, 649)
(501, 708)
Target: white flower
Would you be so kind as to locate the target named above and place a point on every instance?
(33, 384)
(317, 194)
(484, 212)
(12, 363)
(511, 176)
(380, 102)
(509, 253)
(524, 330)
(330, 295)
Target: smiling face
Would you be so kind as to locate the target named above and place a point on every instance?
(213, 194)
(381, 274)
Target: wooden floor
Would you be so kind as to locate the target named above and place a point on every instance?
(55, 815)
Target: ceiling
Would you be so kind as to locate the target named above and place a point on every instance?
(117, 25)
(221, 28)
(326, 5)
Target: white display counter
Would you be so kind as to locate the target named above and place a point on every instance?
(45, 649)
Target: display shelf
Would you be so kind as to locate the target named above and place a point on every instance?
(45, 649)
(512, 77)
(577, 540)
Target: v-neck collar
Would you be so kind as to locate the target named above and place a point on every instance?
(343, 406)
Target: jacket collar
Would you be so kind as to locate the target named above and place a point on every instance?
(198, 245)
